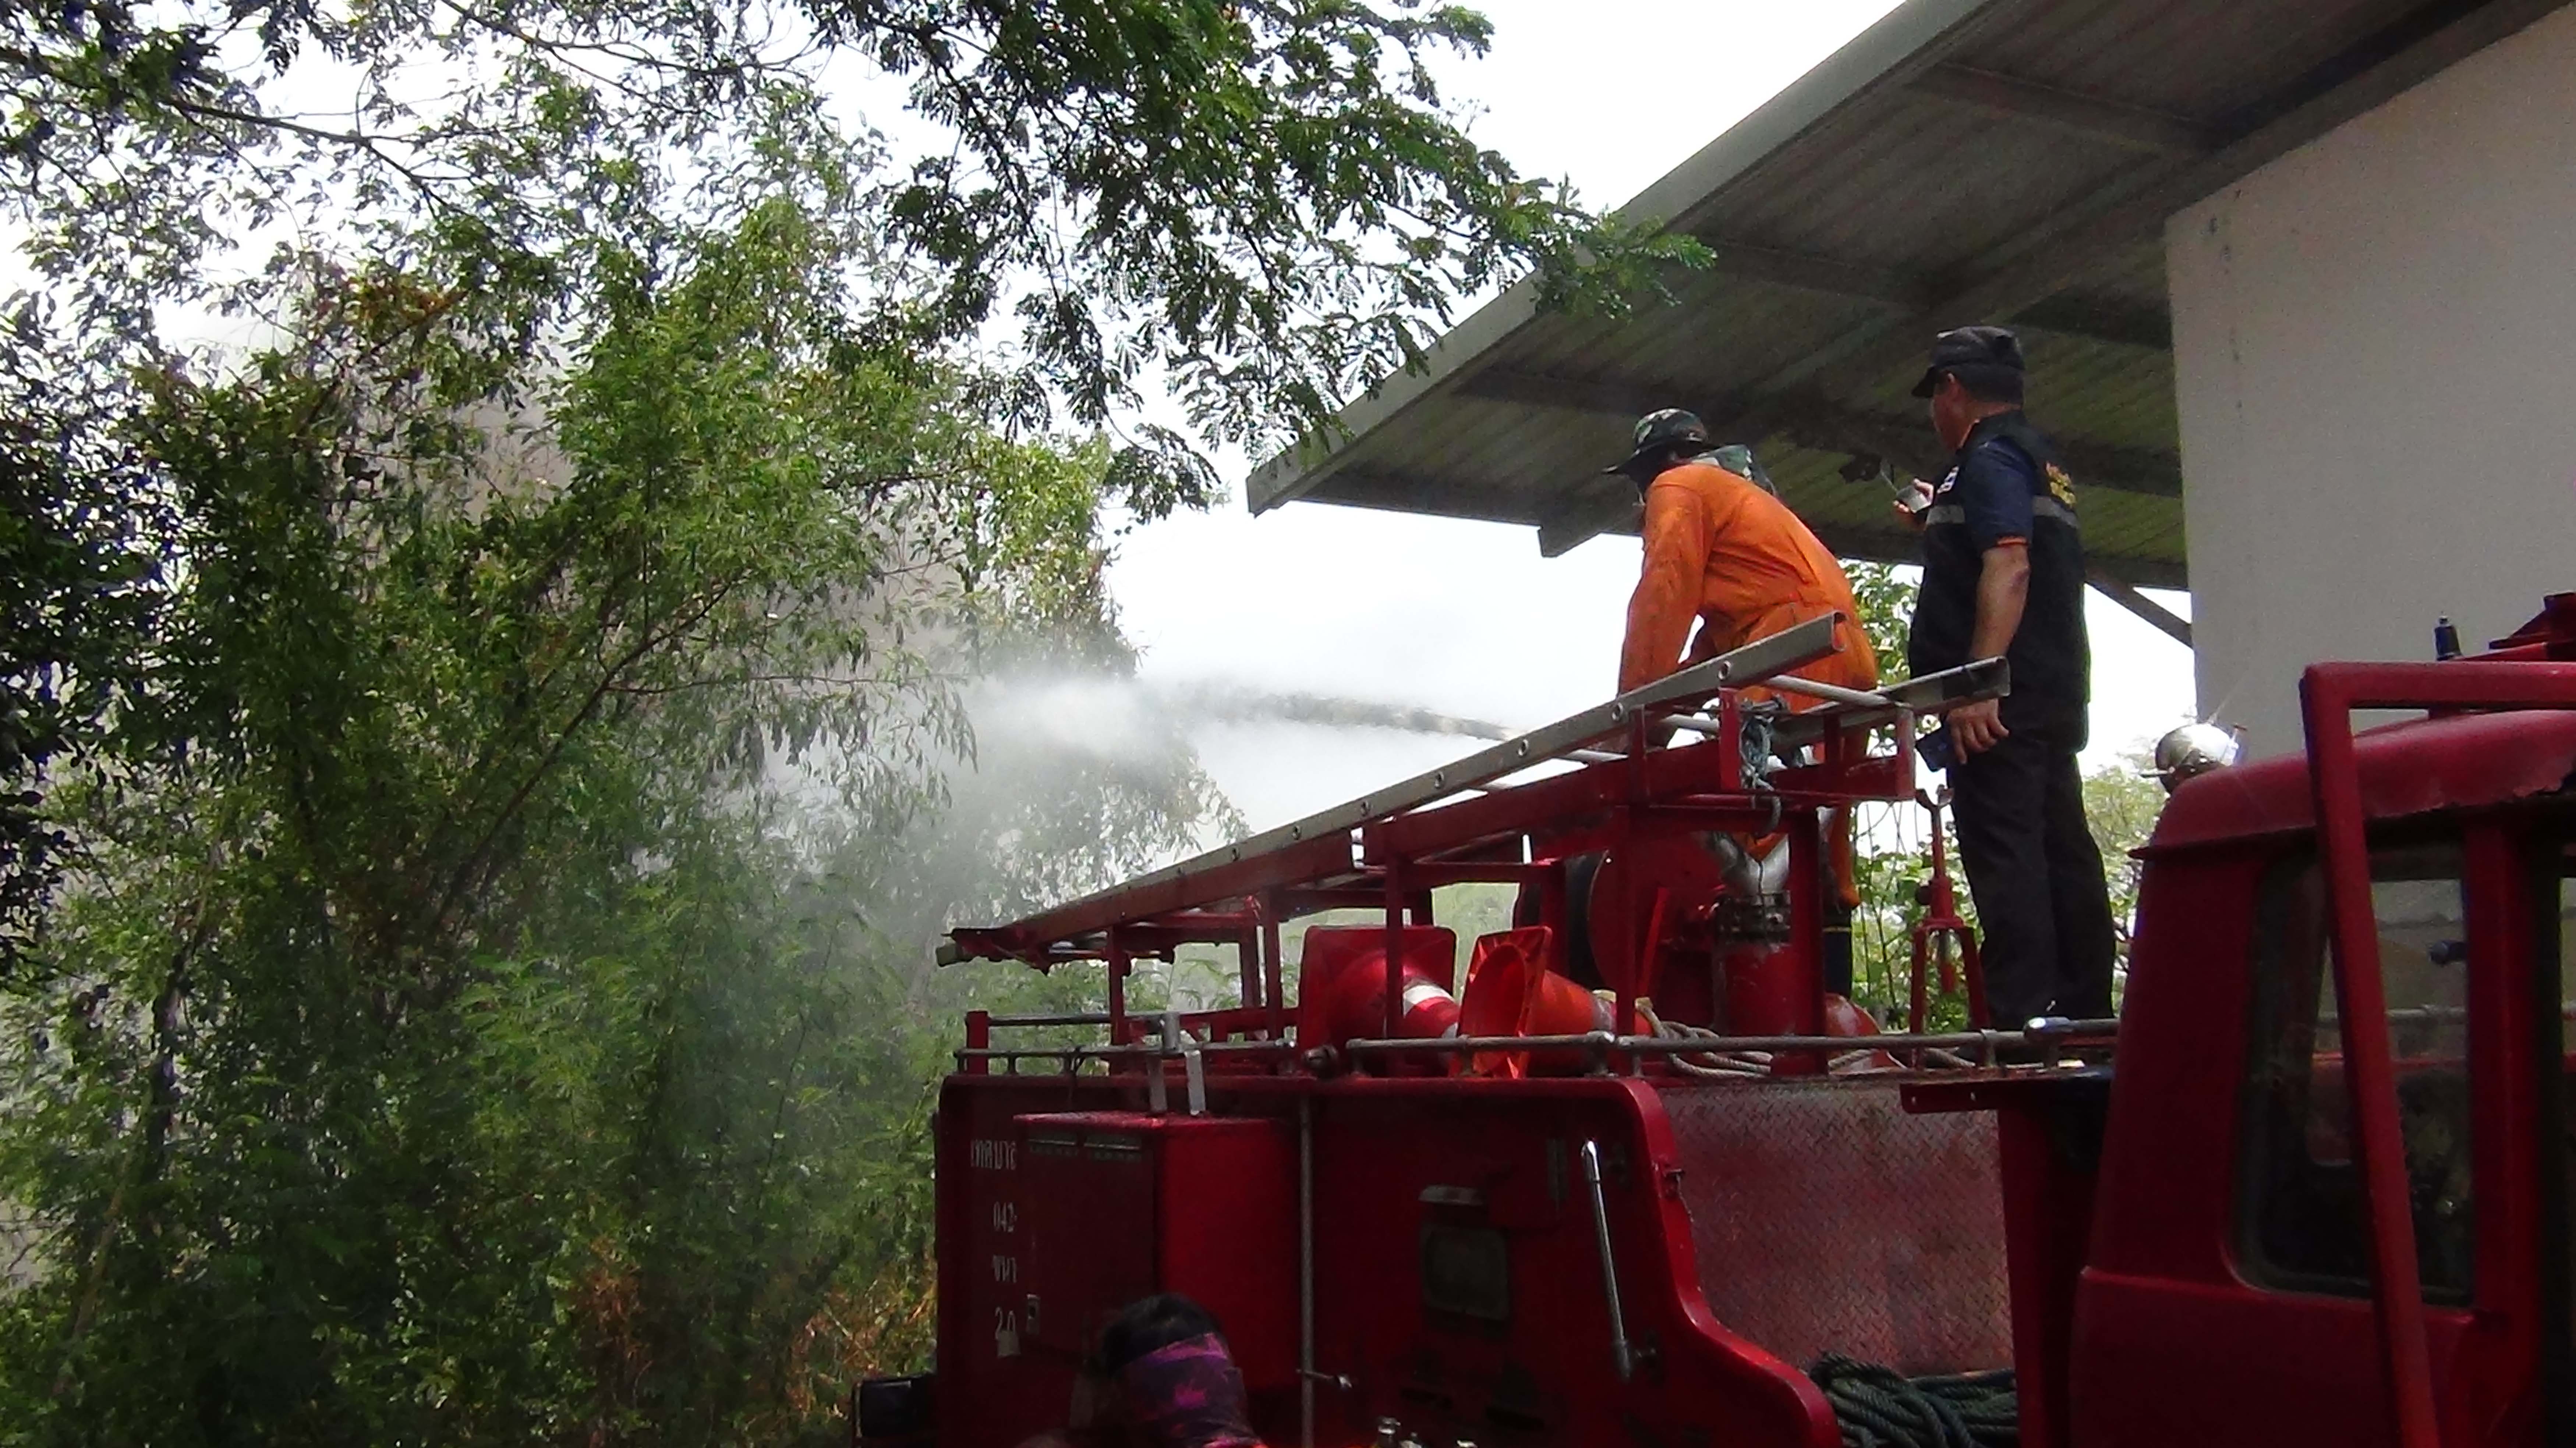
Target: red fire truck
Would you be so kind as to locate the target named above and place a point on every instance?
(1523, 1208)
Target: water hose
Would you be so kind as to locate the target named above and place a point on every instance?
(1882, 1408)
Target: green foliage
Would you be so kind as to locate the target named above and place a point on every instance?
(1885, 593)
(1268, 203)
(79, 599)
(2122, 801)
(1893, 862)
(468, 1020)
(1892, 851)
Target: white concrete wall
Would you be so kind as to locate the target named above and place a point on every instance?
(2375, 361)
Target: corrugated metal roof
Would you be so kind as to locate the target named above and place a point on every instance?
(1960, 161)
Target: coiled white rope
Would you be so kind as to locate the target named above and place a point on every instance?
(1754, 1065)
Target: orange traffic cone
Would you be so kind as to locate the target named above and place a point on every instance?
(1355, 1003)
(1498, 981)
(1511, 992)
(1341, 988)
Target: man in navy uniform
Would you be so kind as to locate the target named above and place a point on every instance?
(2003, 573)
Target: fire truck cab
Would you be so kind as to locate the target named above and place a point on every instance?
(2231, 1217)
(2213, 1241)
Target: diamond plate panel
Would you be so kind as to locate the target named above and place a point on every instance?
(1827, 1219)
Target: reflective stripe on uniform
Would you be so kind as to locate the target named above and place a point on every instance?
(1957, 513)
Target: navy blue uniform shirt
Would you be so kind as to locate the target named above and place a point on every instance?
(2006, 485)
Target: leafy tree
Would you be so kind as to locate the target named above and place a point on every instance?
(79, 600)
(1262, 206)
(1885, 593)
(1268, 199)
(2122, 802)
(444, 1035)
(480, 755)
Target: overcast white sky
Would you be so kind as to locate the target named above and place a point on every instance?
(1466, 617)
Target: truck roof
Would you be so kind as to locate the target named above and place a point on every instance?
(2407, 768)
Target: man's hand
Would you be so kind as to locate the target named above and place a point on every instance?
(1976, 728)
(1912, 502)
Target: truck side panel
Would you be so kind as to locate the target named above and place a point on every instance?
(1459, 1281)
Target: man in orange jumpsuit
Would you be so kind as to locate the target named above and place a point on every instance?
(1723, 550)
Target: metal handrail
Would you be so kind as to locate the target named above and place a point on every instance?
(1604, 1043)
(1600, 1045)
(1134, 1052)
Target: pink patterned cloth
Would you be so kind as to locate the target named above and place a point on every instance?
(1187, 1395)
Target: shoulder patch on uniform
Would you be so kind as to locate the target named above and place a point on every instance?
(2060, 486)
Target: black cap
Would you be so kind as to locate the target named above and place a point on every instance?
(1969, 347)
(1657, 431)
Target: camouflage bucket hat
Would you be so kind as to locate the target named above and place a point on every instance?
(1657, 431)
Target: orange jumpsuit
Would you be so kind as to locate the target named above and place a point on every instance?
(1720, 549)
